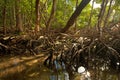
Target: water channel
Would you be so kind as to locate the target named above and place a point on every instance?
(31, 68)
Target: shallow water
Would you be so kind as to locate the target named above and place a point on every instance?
(31, 68)
(93, 76)
(46, 74)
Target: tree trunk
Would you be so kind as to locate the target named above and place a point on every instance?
(37, 8)
(4, 18)
(101, 16)
(75, 27)
(108, 13)
(51, 15)
(31, 13)
(91, 13)
(14, 15)
(76, 13)
(19, 27)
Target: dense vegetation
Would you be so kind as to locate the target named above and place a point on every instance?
(76, 32)
(25, 15)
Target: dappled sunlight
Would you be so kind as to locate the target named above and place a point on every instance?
(8, 62)
(12, 70)
(60, 40)
(21, 65)
(30, 63)
(33, 74)
(28, 68)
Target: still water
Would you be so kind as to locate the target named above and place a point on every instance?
(93, 75)
(31, 68)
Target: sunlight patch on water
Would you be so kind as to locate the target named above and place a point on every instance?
(33, 74)
(31, 62)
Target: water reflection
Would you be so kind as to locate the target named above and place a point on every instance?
(60, 72)
(95, 73)
(59, 76)
(32, 70)
(88, 75)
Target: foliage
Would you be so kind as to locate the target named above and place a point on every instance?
(64, 10)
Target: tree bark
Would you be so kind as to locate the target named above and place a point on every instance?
(108, 14)
(37, 11)
(91, 13)
(101, 16)
(19, 27)
(51, 15)
(75, 27)
(4, 18)
(76, 13)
